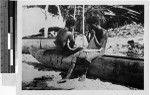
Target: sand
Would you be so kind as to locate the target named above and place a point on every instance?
(33, 78)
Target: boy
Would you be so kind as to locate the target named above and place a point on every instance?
(98, 41)
(65, 43)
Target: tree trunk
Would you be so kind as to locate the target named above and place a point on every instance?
(59, 11)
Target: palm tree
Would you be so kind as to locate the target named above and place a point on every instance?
(112, 16)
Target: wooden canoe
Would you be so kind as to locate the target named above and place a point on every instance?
(122, 70)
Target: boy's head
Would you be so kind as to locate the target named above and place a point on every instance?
(131, 43)
(70, 22)
(94, 20)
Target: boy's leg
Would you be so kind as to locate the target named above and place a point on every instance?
(87, 60)
(69, 71)
(83, 77)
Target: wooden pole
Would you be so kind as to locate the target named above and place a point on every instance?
(74, 16)
(59, 11)
(46, 22)
(83, 20)
(74, 12)
(83, 26)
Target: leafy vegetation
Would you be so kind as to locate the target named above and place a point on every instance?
(113, 16)
(110, 16)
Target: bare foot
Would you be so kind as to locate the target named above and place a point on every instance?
(62, 81)
(82, 78)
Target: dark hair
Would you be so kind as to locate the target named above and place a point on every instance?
(70, 22)
(131, 42)
(93, 20)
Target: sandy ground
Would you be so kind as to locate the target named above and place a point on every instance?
(35, 78)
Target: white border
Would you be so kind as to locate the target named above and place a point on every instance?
(8, 79)
(81, 92)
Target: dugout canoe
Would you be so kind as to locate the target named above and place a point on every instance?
(122, 70)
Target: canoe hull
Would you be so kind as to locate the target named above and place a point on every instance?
(118, 70)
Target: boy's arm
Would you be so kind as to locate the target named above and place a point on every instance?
(105, 42)
(71, 39)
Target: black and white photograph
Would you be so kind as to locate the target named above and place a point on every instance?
(83, 47)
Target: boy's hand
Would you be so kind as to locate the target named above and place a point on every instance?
(62, 81)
